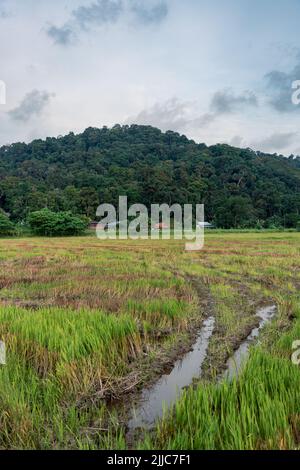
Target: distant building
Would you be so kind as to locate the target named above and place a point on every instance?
(93, 225)
(161, 226)
(204, 225)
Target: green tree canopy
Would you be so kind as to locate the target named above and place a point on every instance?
(48, 223)
(6, 226)
(78, 172)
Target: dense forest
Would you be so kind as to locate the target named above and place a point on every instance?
(239, 187)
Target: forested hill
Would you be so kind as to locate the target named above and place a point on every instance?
(239, 187)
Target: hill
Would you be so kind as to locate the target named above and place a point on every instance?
(239, 187)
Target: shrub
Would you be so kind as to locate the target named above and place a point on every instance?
(48, 223)
(274, 223)
(6, 226)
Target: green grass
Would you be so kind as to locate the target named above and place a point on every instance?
(86, 322)
(257, 410)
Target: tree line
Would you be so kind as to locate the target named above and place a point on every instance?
(75, 173)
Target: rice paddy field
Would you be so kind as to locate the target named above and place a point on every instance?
(89, 324)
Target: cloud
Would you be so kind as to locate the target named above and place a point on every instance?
(62, 36)
(83, 18)
(226, 102)
(33, 104)
(98, 13)
(237, 141)
(172, 114)
(102, 12)
(150, 14)
(279, 89)
(3, 10)
(169, 115)
(275, 142)
(177, 115)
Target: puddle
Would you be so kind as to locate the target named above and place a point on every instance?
(235, 363)
(169, 387)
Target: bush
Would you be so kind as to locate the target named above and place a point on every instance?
(6, 226)
(298, 226)
(52, 224)
(274, 223)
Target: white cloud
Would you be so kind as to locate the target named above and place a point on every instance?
(131, 61)
(33, 104)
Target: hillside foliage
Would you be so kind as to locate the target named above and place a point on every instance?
(239, 187)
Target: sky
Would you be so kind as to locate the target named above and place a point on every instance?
(217, 71)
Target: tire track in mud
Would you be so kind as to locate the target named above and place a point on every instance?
(237, 360)
(154, 399)
(163, 394)
(169, 387)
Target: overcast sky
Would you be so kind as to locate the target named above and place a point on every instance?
(215, 70)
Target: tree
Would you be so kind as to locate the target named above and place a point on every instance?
(77, 172)
(6, 226)
(236, 212)
(48, 223)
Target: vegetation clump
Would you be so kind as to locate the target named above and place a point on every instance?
(240, 188)
(54, 224)
(6, 226)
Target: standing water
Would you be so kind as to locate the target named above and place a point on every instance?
(235, 363)
(169, 387)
